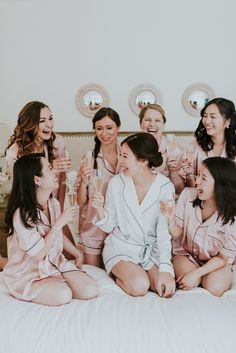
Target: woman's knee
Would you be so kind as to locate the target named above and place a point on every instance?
(59, 294)
(216, 290)
(63, 296)
(216, 286)
(90, 291)
(138, 286)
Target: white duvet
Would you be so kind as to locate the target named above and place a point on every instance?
(190, 322)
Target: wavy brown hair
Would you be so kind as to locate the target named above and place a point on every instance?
(26, 130)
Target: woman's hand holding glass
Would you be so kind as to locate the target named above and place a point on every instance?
(172, 165)
(86, 169)
(62, 163)
(72, 194)
(68, 215)
(187, 170)
(167, 204)
(167, 207)
(97, 180)
(172, 154)
(97, 199)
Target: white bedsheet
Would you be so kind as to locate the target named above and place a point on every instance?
(190, 322)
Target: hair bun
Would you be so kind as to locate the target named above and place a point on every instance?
(156, 160)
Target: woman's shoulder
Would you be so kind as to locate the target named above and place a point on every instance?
(119, 179)
(13, 149)
(162, 179)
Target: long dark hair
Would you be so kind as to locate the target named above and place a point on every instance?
(26, 131)
(23, 194)
(145, 147)
(223, 170)
(100, 114)
(227, 110)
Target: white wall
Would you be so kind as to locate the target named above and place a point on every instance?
(50, 48)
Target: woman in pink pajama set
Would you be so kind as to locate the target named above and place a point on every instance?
(106, 157)
(37, 271)
(204, 228)
(214, 137)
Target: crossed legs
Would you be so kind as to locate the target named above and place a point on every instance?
(216, 282)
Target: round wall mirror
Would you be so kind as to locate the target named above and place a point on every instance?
(143, 95)
(91, 98)
(195, 97)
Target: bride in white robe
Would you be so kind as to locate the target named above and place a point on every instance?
(138, 249)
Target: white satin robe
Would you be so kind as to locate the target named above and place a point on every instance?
(138, 232)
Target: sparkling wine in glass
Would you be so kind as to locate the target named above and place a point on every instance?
(72, 198)
(97, 180)
(89, 159)
(66, 155)
(72, 194)
(168, 199)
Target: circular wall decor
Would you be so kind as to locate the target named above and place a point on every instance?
(90, 98)
(195, 97)
(143, 95)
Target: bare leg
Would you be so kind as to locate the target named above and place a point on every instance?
(153, 275)
(219, 281)
(183, 265)
(3, 262)
(95, 260)
(67, 232)
(131, 278)
(82, 285)
(54, 295)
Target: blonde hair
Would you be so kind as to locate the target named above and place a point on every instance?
(156, 107)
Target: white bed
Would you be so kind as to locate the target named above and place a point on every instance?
(190, 322)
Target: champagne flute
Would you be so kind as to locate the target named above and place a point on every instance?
(72, 198)
(89, 159)
(188, 158)
(66, 155)
(171, 147)
(168, 200)
(97, 180)
(72, 194)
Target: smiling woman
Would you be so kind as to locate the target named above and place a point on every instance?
(152, 119)
(34, 134)
(214, 136)
(106, 158)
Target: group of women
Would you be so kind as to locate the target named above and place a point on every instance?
(144, 241)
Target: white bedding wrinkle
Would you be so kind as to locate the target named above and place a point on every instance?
(115, 322)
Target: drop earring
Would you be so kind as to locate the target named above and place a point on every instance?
(38, 187)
